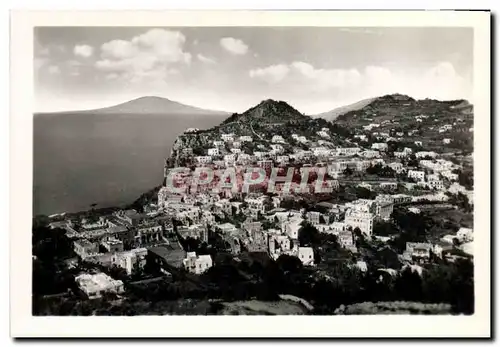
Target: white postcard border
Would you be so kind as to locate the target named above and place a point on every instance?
(23, 324)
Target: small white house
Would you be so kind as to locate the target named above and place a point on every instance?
(213, 151)
(197, 264)
(277, 139)
(306, 256)
(418, 175)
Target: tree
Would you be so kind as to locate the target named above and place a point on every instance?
(412, 161)
(308, 235)
(287, 263)
(408, 286)
(383, 228)
(364, 193)
(348, 171)
(466, 179)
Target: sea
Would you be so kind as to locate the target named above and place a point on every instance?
(103, 159)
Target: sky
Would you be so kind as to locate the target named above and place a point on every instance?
(315, 69)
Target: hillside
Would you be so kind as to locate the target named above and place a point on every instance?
(333, 114)
(151, 105)
(406, 119)
(262, 122)
(268, 111)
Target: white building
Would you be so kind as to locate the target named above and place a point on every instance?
(424, 154)
(346, 239)
(112, 245)
(213, 151)
(129, 259)
(323, 134)
(449, 175)
(265, 164)
(313, 217)
(203, 159)
(370, 154)
(277, 148)
(278, 139)
(245, 138)
(227, 137)
(398, 167)
(418, 175)
(256, 204)
(85, 248)
(433, 181)
(197, 264)
(381, 146)
(362, 165)
(465, 235)
(302, 139)
(320, 151)
(94, 285)
(414, 210)
(226, 228)
(348, 150)
(229, 159)
(357, 219)
(306, 256)
(384, 205)
(361, 137)
(218, 143)
(337, 227)
(446, 141)
(283, 159)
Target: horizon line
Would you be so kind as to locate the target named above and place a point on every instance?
(232, 112)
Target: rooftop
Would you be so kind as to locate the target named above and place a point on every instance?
(172, 255)
(96, 282)
(83, 243)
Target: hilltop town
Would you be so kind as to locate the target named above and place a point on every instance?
(271, 205)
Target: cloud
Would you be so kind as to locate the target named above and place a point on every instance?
(325, 79)
(303, 74)
(146, 56)
(205, 59)
(112, 76)
(234, 46)
(83, 50)
(74, 63)
(440, 81)
(270, 74)
(54, 70)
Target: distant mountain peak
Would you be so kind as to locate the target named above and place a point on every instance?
(396, 97)
(151, 98)
(152, 105)
(274, 106)
(270, 108)
(269, 111)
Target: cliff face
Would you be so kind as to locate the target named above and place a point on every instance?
(188, 144)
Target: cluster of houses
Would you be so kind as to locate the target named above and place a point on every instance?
(129, 239)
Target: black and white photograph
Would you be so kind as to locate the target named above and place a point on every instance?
(258, 170)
